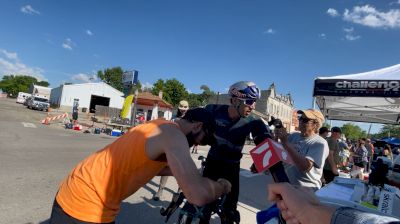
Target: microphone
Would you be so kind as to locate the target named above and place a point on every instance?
(270, 155)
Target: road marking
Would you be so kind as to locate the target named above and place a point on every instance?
(248, 207)
(28, 125)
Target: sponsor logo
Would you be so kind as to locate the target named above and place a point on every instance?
(267, 155)
(372, 85)
(236, 93)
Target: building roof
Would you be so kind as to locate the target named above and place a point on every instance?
(148, 99)
(96, 84)
(41, 87)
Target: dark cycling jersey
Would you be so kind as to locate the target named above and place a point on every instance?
(223, 160)
(231, 135)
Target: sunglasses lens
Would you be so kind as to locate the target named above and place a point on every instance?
(304, 119)
(249, 102)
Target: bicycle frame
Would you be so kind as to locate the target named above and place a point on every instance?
(196, 216)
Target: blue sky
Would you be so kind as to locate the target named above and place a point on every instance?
(206, 42)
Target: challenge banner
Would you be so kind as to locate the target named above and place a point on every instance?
(360, 88)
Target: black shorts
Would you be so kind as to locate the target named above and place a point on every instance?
(58, 216)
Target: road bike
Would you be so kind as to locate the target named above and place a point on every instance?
(191, 214)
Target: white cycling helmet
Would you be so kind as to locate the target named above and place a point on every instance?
(245, 90)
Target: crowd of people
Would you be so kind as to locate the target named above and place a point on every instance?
(95, 188)
(351, 155)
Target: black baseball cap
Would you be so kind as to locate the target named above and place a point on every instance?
(336, 129)
(207, 118)
(323, 130)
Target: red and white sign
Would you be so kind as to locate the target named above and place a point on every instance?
(268, 153)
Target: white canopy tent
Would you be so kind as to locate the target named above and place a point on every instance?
(372, 96)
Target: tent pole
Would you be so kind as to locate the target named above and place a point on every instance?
(314, 103)
(369, 130)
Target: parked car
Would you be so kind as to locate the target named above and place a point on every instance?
(22, 97)
(37, 103)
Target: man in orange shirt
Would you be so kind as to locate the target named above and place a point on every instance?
(95, 188)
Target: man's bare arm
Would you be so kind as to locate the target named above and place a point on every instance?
(332, 162)
(301, 161)
(197, 189)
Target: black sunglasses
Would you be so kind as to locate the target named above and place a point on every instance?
(304, 119)
(248, 102)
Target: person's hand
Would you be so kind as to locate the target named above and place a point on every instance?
(226, 185)
(280, 133)
(296, 204)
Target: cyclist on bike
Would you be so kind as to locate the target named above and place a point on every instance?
(233, 124)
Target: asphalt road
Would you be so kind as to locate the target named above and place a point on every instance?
(34, 158)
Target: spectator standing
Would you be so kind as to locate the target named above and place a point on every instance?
(387, 152)
(360, 159)
(307, 149)
(331, 165)
(344, 153)
(324, 132)
(370, 148)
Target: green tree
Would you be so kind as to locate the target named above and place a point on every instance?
(388, 131)
(12, 84)
(173, 90)
(194, 100)
(200, 100)
(158, 86)
(352, 131)
(112, 76)
(206, 94)
(43, 83)
(326, 125)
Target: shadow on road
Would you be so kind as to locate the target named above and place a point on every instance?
(147, 211)
(253, 191)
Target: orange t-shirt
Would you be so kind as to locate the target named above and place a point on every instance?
(95, 188)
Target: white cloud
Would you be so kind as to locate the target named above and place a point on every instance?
(368, 16)
(147, 85)
(322, 35)
(68, 44)
(332, 12)
(88, 32)
(84, 77)
(11, 65)
(27, 9)
(349, 34)
(9, 55)
(270, 31)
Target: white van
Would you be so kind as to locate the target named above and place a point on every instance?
(22, 97)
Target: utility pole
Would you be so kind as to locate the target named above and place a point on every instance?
(134, 108)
